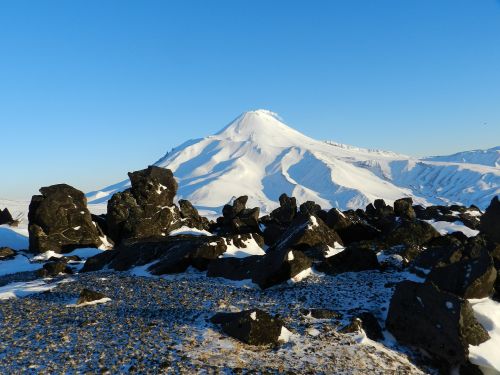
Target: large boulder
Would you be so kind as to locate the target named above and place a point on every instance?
(350, 227)
(435, 321)
(354, 258)
(55, 268)
(411, 233)
(274, 268)
(146, 209)
(468, 278)
(253, 327)
(87, 295)
(6, 217)
(490, 221)
(367, 322)
(403, 208)
(190, 216)
(60, 221)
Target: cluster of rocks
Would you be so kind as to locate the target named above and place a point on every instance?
(433, 316)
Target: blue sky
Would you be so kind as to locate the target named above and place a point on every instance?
(92, 89)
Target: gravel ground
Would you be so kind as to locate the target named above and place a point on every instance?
(159, 325)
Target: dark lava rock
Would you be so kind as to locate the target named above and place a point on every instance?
(306, 232)
(366, 322)
(490, 221)
(403, 208)
(146, 209)
(440, 251)
(253, 327)
(237, 219)
(265, 270)
(87, 295)
(60, 221)
(52, 269)
(321, 313)
(353, 259)
(7, 253)
(411, 232)
(170, 254)
(468, 278)
(99, 261)
(279, 219)
(350, 227)
(6, 217)
(438, 322)
(190, 216)
(309, 208)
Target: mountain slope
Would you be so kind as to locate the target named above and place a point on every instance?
(259, 156)
(489, 157)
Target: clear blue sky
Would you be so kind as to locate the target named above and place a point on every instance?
(92, 89)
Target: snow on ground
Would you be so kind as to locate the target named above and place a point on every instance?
(23, 289)
(252, 248)
(445, 227)
(190, 231)
(15, 238)
(21, 263)
(487, 355)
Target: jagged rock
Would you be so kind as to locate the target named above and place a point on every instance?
(469, 278)
(438, 322)
(7, 253)
(146, 209)
(237, 219)
(403, 208)
(170, 254)
(60, 221)
(354, 258)
(6, 217)
(287, 210)
(415, 232)
(253, 327)
(265, 270)
(99, 261)
(367, 322)
(87, 295)
(307, 232)
(440, 251)
(310, 208)
(350, 227)
(490, 221)
(190, 216)
(52, 269)
(321, 313)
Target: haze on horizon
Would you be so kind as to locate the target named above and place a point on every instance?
(91, 90)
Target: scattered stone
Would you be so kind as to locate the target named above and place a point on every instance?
(366, 322)
(438, 322)
(350, 226)
(253, 327)
(52, 269)
(87, 295)
(237, 219)
(60, 221)
(321, 313)
(415, 232)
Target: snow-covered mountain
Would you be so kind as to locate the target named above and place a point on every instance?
(489, 157)
(259, 156)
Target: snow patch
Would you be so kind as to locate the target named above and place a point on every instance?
(189, 231)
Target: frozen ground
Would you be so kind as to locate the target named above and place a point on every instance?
(161, 323)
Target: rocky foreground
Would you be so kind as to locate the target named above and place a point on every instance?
(151, 286)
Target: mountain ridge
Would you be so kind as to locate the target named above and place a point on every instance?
(258, 155)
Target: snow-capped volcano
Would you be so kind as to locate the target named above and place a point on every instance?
(260, 156)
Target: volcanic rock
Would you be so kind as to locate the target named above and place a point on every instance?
(87, 295)
(253, 327)
(354, 258)
(438, 322)
(490, 221)
(60, 221)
